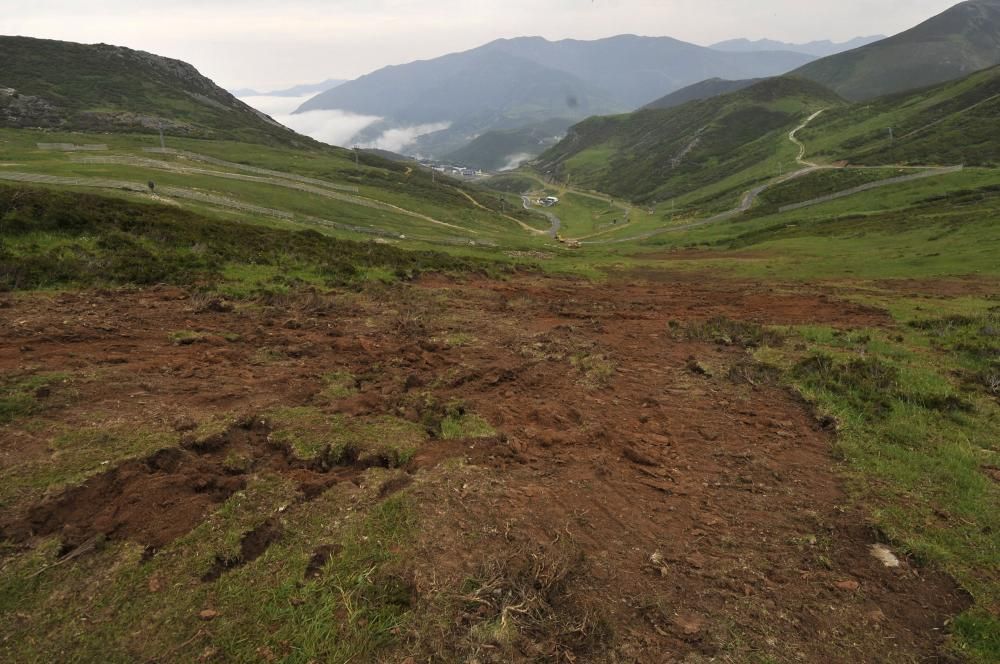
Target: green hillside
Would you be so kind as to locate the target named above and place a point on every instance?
(951, 45)
(497, 149)
(88, 118)
(68, 86)
(724, 142)
(952, 123)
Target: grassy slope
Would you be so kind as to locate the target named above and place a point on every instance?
(951, 123)
(734, 136)
(56, 239)
(101, 88)
(493, 150)
(376, 179)
(939, 227)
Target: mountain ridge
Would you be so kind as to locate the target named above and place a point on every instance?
(98, 87)
(962, 39)
(818, 48)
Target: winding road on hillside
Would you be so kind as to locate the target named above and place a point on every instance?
(748, 198)
(751, 196)
(556, 222)
(793, 137)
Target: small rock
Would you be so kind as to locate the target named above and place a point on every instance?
(154, 585)
(208, 614)
(219, 306)
(639, 457)
(208, 654)
(689, 625)
(849, 585)
(183, 423)
(876, 616)
(696, 367)
(882, 553)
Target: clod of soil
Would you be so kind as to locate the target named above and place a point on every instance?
(320, 557)
(252, 546)
(155, 500)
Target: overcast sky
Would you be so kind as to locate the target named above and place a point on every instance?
(271, 44)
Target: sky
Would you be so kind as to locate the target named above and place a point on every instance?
(270, 44)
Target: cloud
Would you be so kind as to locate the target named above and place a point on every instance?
(515, 160)
(399, 138)
(333, 127)
(338, 127)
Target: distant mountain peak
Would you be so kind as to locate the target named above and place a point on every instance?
(953, 44)
(819, 48)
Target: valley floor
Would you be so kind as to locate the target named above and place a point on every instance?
(535, 469)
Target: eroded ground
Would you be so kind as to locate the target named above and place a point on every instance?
(582, 480)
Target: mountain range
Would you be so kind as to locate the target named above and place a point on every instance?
(819, 49)
(514, 83)
(294, 91)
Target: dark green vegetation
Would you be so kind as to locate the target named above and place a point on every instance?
(659, 154)
(961, 40)
(62, 85)
(505, 149)
(952, 123)
(58, 239)
(820, 183)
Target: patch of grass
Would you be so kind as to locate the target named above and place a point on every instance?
(186, 337)
(596, 369)
(457, 426)
(459, 339)
(116, 605)
(332, 440)
(728, 332)
(24, 396)
(518, 600)
(339, 385)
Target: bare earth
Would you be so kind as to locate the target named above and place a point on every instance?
(691, 516)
